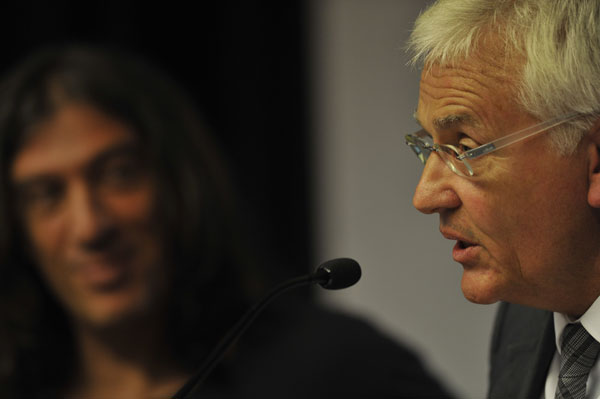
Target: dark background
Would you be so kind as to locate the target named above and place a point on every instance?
(245, 65)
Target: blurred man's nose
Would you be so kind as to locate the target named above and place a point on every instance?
(89, 218)
(434, 192)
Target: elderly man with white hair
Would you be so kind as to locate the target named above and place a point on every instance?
(509, 102)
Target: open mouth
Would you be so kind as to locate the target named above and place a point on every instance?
(464, 244)
(465, 252)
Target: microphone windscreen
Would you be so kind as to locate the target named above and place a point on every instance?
(342, 272)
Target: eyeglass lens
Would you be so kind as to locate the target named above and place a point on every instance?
(448, 153)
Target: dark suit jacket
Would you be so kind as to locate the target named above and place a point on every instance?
(521, 352)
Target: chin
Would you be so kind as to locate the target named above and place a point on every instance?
(480, 289)
(112, 312)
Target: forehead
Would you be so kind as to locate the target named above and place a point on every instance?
(69, 139)
(480, 91)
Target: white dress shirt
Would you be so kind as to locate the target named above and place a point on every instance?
(591, 322)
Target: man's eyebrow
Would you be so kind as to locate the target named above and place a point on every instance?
(129, 148)
(450, 121)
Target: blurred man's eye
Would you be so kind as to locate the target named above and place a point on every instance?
(121, 173)
(40, 196)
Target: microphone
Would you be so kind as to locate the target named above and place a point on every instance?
(335, 274)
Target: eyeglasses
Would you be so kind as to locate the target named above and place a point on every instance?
(422, 144)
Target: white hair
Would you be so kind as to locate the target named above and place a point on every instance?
(559, 40)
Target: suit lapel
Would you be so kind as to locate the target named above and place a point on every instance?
(522, 350)
(531, 359)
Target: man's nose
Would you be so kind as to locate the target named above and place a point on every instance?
(434, 193)
(89, 217)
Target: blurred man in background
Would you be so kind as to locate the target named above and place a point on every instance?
(510, 105)
(123, 261)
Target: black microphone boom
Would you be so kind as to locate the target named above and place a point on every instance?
(334, 274)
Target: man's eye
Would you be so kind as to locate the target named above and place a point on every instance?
(42, 196)
(464, 147)
(121, 173)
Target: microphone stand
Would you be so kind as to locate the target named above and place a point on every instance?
(320, 276)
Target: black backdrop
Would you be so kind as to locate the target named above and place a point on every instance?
(244, 63)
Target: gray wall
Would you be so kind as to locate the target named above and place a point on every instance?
(364, 97)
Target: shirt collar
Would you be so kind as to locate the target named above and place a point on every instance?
(590, 320)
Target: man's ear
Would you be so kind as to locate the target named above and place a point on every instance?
(594, 165)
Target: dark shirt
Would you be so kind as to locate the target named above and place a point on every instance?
(300, 350)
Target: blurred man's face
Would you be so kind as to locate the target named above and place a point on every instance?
(87, 201)
(524, 230)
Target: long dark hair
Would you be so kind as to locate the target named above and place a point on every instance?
(213, 271)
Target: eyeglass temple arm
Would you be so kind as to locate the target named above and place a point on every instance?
(517, 136)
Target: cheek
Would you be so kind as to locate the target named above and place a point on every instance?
(488, 200)
(491, 213)
(45, 244)
(137, 219)
(133, 207)
(44, 235)
(56, 273)
(535, 218)
(502, 214)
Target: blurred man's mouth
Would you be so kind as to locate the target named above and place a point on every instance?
(105, 272)
(102, 276)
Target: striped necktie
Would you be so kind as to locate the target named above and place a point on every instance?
(578, 355)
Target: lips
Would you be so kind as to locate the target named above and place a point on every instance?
(464, 251)
(464, 244)
(454, 235)
(104, 272)
(465, 254)
(102, 275)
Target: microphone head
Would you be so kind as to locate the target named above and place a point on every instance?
(339, 273)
